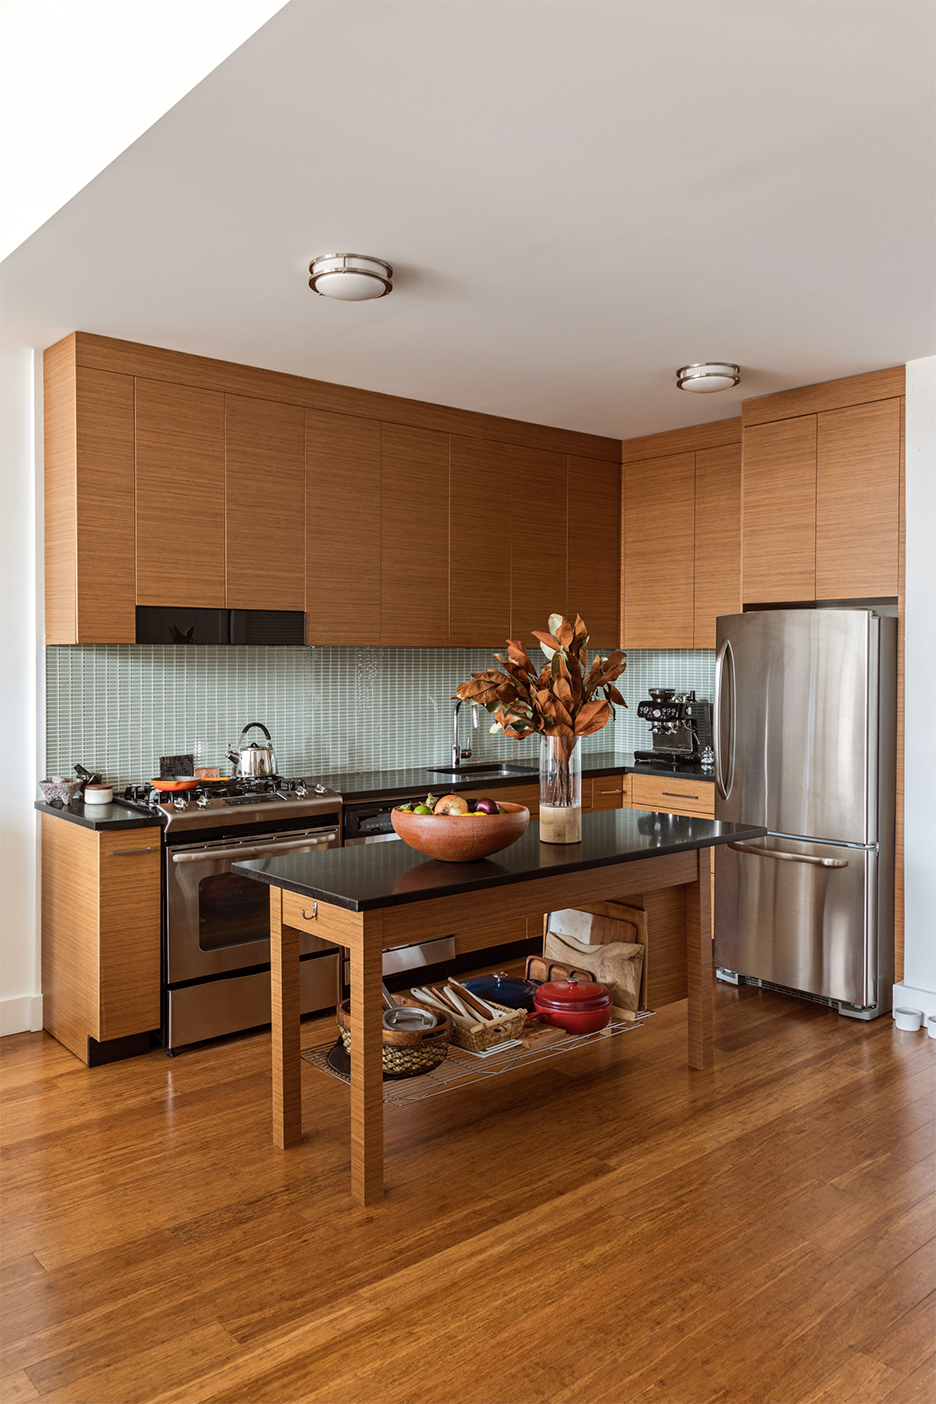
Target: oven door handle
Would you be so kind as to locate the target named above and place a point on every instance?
(207, 855)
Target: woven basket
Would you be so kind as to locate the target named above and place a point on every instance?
(406, 1052)
(486, 1033)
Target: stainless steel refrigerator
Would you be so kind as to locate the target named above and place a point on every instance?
(804, 735)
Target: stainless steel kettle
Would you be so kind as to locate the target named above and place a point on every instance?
(253, 761)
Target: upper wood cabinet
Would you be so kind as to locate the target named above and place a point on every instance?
(538, 525)
(89, 493)
(479, 543)
(821, 491)
(857, 501)
(779, 512)
(414, 537)
(179, 495)
(342, 529)
(594, 548)
(264, 494)
(659, 552)
(717, 576)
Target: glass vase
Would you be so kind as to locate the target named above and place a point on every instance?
(560, 816)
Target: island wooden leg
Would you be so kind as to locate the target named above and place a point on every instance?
(367, 1064)
(699, 965)
(287, 1070)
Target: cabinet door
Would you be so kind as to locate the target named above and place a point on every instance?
(594, 548)
(129, 939)
(342, 529)
(857, 501)
(659, 517)
(104, 500)
(538, 524)
(778, 527)
(179, 495)
(414, 546)
(717, 539)
(264, 491)
(479, 518)
(664, 795)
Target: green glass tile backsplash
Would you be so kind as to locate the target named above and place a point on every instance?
(117, 707)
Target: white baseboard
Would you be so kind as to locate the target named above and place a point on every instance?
(907, 997)
(21, 1014)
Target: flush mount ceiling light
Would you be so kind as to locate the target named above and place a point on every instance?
(708, 376)
(350, 277)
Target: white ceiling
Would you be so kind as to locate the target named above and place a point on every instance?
(577, 197)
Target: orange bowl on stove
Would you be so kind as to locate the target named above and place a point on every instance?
(461, 838)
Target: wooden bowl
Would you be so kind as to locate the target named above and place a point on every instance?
(455, 838)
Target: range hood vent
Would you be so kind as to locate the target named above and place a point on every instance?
(163, 624)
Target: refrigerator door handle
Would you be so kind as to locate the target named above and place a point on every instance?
(789, 857)
(724, 659)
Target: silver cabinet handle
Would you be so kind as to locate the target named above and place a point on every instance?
(723, 780)
(125, 852)
(789, 857)
(676, 794)
(270, 850)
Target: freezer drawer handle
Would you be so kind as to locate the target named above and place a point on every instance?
(789, 857)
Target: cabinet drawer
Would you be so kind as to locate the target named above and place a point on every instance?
(607, 792)
(512, 794)
(673, 795)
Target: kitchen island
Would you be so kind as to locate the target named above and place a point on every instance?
(369, 898)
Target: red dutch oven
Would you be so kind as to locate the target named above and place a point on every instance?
(578, 1006)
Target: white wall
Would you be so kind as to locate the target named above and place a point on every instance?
(93, 77)
(20, 687)
(918, 988)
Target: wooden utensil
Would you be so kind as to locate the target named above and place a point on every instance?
(474, 1002)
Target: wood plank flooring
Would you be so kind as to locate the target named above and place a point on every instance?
(609, 1229)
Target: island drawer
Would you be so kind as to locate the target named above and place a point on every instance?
(673, 795)
(606, 792)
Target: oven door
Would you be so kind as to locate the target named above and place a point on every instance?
(217, 921)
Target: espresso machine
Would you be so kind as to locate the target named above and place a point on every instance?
(678, 723)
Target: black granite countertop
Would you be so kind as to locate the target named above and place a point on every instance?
(99, 816)
(358, 785)
(374, 876)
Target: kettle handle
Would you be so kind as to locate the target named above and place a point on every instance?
(249, 726)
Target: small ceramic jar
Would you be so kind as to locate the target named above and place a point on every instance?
(98, 794)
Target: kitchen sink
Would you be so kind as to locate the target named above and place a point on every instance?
(492, 769)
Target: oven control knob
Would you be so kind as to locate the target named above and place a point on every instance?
(202, 801)
(301, 789)
(180, 803)
(320, 790)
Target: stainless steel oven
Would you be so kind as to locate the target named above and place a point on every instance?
(217, 947)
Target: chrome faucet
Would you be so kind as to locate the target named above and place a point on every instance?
(458, 755)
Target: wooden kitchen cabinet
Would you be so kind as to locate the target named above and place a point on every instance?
(659, 552)
(90, 588)
(342, 529)
(857, 501)
(264, 496)
(179, 495)
(479, 535)
(538, 550)
(414, 537)
(821, 491)
(606, 792)
(778, 531)
(100, 934)
(717, 536)
(594, 548)
(673, 794)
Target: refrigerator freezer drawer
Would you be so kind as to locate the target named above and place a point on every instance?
(797, 914)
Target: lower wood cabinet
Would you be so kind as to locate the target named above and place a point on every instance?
(100, 933)
(606, 792)
(673, 795)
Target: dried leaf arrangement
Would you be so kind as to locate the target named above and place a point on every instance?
(559, 700)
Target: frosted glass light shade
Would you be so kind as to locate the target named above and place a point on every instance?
(350, 277)
(708, 376)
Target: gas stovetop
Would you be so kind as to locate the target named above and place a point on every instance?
(215, 803)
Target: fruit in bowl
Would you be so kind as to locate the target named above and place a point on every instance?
(459, 834)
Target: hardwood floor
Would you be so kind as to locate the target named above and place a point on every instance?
(610, 1229)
